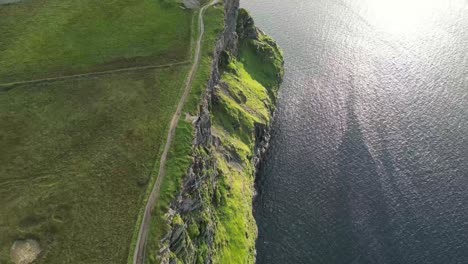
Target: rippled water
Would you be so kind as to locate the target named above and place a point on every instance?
(369, 157)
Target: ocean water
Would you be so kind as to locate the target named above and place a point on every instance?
(369, 151)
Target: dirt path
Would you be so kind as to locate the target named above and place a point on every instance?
(140, 246)
(89, 74)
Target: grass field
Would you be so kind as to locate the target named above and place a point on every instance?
(77, 155)
(44, 38)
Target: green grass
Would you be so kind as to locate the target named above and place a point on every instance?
(235, 114)
(77, 155)
(180, 155)
(44, 38)
(214, 22)
(236, 231)
(266, 67)
(245, 103)
(178, 160)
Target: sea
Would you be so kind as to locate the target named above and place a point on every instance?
(369, 151)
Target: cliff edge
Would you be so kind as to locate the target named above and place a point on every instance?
(211, 219)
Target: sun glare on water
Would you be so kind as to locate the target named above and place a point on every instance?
(407, 16)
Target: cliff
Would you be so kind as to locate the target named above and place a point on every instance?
(211, 219)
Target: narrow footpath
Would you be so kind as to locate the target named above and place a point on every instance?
(91, 74)
(140, 246)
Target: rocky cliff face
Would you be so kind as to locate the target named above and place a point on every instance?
(211, 219)
(228, 41)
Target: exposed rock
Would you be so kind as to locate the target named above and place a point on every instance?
(246, 26)
(25, 251)
(227, 41)
(187, 205)
(216, 141)
(176, 235)
(262, 139)
(203, 127)
(192, 4)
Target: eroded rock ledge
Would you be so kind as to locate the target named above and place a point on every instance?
(211, 219)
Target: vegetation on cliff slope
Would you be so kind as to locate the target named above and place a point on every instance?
(77, 154)
(212, 218)
(243, 106)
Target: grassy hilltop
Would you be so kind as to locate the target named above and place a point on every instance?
(77, 154)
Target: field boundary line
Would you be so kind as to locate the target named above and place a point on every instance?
(90, 74)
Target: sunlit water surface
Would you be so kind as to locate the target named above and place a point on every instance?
(369, 154)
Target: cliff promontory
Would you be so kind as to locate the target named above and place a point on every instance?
(211, 220)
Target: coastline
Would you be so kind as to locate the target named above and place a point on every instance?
(211, 218)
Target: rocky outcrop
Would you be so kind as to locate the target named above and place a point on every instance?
(25, 251)
(230, 140)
